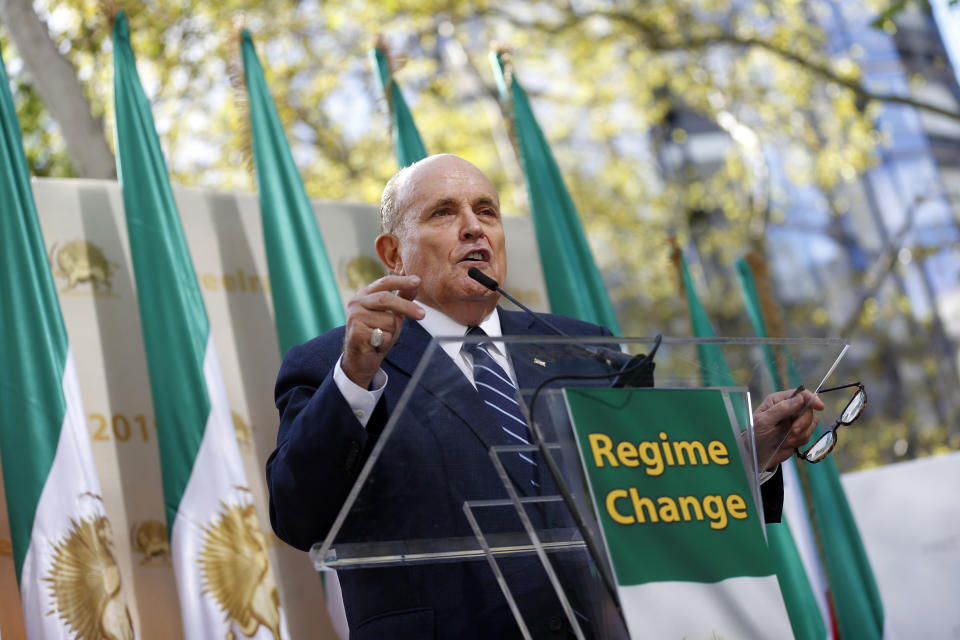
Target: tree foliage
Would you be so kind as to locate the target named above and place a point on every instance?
(620, 90)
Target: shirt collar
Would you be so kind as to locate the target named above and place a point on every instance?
(439, 324)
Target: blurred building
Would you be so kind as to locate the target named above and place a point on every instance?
(905, 211)
(877, 260)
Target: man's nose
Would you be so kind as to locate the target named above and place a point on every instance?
(470, 227)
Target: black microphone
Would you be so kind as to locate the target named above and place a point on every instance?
(492, 284)
(635, 371)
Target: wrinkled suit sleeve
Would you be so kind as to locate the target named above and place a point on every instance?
(320, 445)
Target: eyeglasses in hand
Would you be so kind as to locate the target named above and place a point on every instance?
(826, 442)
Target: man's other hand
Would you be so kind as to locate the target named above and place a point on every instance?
(780, 415)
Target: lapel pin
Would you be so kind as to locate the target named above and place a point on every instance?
(539, 362)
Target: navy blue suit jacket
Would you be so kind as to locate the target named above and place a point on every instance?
(413, 492)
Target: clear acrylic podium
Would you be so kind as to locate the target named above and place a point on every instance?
(496, 506)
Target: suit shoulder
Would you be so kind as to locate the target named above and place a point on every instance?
(578, 327)
(568, 325)
(319, 351)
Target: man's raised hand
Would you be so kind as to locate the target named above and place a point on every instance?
(383, 304)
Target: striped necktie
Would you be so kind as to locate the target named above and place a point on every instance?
(499, 393)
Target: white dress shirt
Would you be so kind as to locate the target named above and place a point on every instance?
(437, 324)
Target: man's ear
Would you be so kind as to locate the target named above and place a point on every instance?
(388, 250)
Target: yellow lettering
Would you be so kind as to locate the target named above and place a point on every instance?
(210, 282)
(690, 501)
(681, 508)
(121, 427)
(100, 433)
(602, 445)
(736, 507)
(713, 507)
(689, 448)
(618, 517)
(668, 509)
(242, 280)
(718, 452)
(650, 454)
(229, 283)
(666, 449)
(639, 504)
(142, 421)
(627, 453)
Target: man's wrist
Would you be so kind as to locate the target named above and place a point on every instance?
(361, 401)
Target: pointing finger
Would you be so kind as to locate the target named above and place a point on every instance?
(381, 301)
(391, 283)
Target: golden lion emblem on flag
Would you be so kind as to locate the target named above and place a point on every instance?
(85, 583)
(236, 571)
(81, 261)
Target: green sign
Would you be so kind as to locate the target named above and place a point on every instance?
(677, 513)
(665, 474)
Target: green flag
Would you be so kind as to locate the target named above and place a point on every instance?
(219, 553)
(850, 587)
(574, 285)
(306, 300)
(406, 140)
(714, 370)
(805, 619)
(62, 545)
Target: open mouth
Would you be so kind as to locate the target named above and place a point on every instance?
(480, 255)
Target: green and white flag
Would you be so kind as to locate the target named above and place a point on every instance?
(798, 595)
(62, 542)
(837, 562)
(306, 300)
(573, 280)
(406, 139)
(219, 552)
(684, 535)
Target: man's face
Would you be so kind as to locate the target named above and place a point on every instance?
(450, 221)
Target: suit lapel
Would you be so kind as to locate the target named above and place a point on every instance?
(443, 380)
(531, 364)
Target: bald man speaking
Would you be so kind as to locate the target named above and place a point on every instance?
(439, 217)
